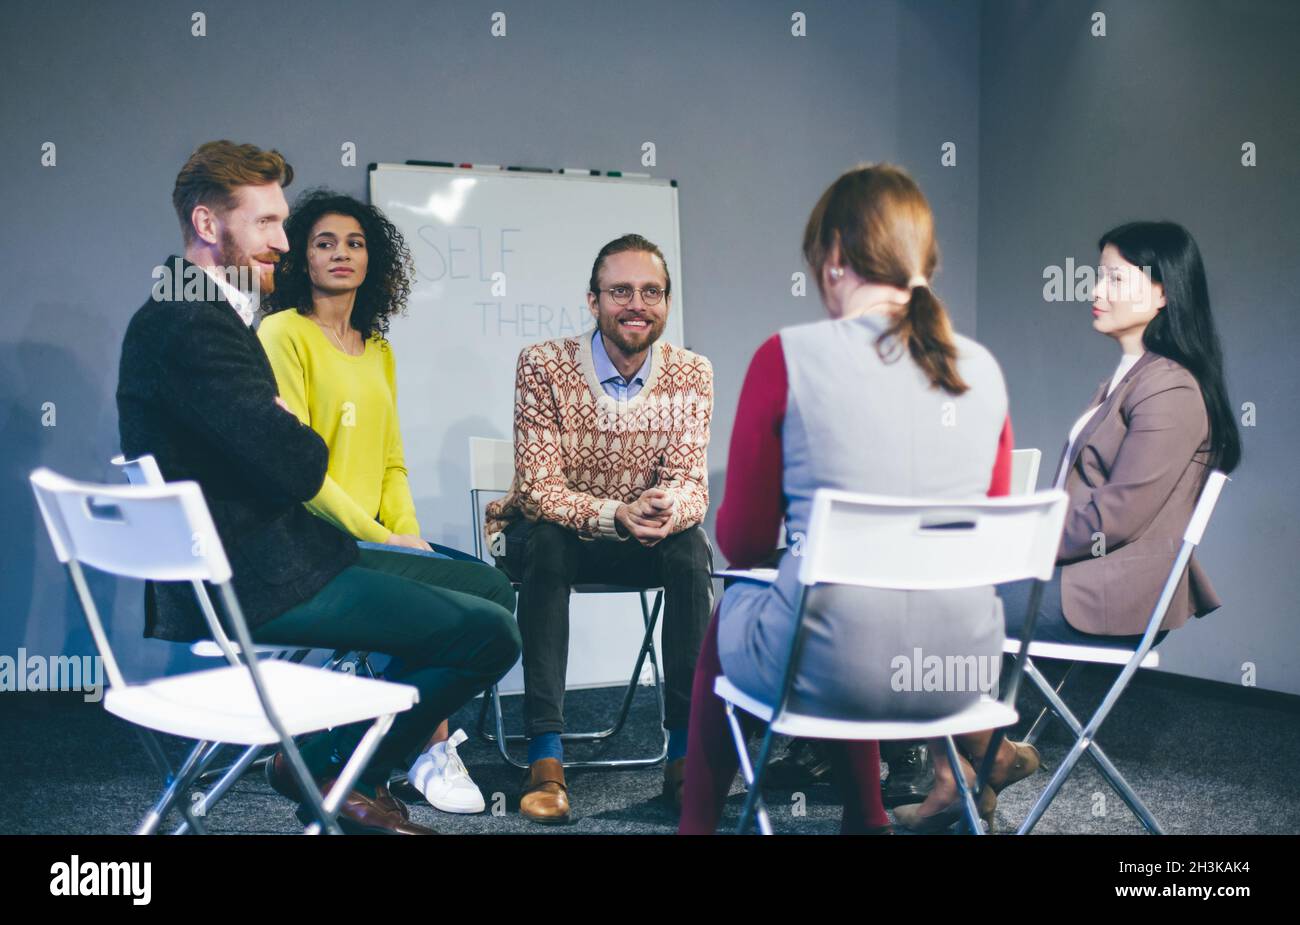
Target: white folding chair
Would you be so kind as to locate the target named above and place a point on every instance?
(165, 533)
(905, 544)
(144, 470)
(492, 470)
(1024, 471)
(1131, 660)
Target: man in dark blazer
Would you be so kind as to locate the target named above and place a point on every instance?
(196, 390)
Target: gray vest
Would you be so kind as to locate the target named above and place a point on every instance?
(856, 422)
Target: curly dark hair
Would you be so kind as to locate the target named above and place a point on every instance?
(389, 271)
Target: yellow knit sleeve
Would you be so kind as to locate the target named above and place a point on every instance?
(334, 504)
(288, 352)
(396, 506)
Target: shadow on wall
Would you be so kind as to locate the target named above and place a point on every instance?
(46, 395)
(57, 409)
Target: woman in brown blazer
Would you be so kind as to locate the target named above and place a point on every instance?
(1133, 467)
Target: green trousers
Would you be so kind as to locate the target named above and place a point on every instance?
(449, 624)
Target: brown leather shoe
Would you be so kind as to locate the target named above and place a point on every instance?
(674, 783)
(545, 797)
(363, 815)
(282, 781)
(385, 798)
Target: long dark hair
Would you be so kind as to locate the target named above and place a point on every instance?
(885, 229)
(389, 267)
(1184, 329)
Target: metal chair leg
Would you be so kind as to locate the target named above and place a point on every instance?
(480, 728)
(177, 784)
(647, 644)
(1094, 751)
(501, 738)
(747, 772)
(326, 809)
(1085, 743)
(964, 790)
(650, 617)
(1040, 724)
(233, 773)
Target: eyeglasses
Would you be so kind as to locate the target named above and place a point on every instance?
(622, 295)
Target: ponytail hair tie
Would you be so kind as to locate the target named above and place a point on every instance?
(917, 280)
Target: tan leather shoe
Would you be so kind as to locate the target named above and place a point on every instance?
(910, 816)
(674, 782)
(545, 796)
(1026, 762)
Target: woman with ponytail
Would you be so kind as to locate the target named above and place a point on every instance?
(881, 397)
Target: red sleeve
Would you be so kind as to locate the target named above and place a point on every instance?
(1000, 484)
(753, 504)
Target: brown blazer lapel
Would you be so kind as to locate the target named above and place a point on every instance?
(1109, 403)
(1065, 447)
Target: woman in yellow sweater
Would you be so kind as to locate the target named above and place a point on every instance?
(346, 273)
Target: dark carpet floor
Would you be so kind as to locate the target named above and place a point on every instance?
(1204, 762)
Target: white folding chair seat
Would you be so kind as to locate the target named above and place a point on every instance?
(985, 713)
(208, 648)
(1068, 652)
(221, 704)
(914, 545)
(492, 470)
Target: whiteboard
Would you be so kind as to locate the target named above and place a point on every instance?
(502, 260)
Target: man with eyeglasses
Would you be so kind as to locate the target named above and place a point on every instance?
(611, 486)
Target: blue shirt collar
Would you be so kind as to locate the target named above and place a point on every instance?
(605, 370)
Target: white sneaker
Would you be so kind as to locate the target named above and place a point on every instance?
(440, 775)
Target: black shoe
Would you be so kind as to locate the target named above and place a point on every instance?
(804, 764)
(910, 775)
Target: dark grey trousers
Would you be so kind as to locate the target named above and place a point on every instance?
(547, 560)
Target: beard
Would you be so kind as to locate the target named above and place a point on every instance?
(233, 256)
(628, 342)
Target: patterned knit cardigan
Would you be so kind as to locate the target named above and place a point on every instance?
(580, 453)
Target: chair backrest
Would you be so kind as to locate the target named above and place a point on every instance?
(491, 464)
(153, 532)
(491, 469)
(1024, 471)
(143, 470)
(1204, 508)
(158, 533)
(916, 544)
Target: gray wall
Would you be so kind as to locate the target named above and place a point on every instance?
(1079, 134)
(752, 122)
